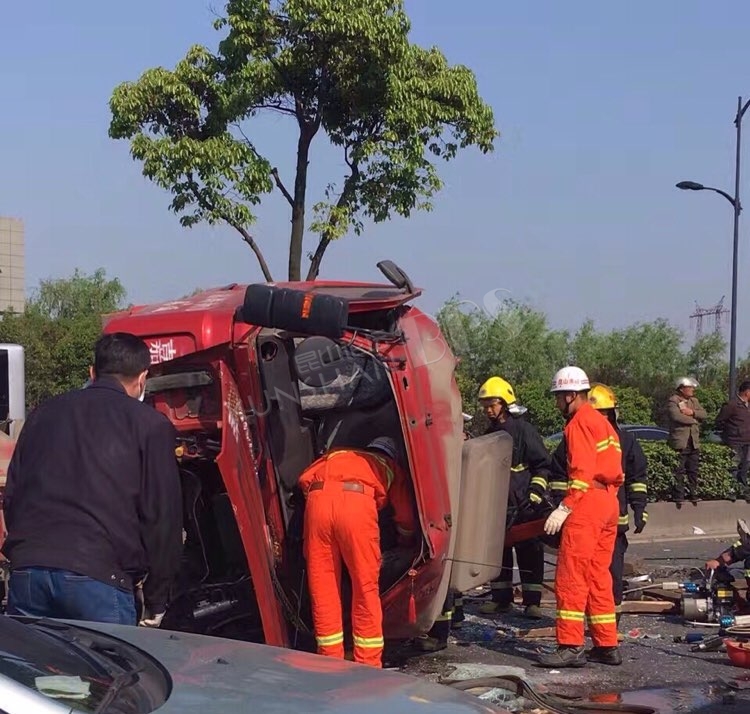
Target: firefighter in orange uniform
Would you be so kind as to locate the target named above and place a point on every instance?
(345, 489)
(588, 517)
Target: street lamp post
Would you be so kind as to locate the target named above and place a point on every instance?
(737, 207)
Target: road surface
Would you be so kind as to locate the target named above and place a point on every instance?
(655, 670)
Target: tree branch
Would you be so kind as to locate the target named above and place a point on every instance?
(254, 247)
(206, 205)
(277, 108)
(281, 187)
(325, 238)
(249, 143)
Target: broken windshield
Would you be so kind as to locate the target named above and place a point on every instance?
(85, 670)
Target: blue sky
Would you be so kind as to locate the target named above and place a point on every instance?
(602, 108)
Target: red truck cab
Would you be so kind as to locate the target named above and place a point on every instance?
(259, 380)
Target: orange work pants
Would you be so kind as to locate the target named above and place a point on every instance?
(583, 583)
(341, 527)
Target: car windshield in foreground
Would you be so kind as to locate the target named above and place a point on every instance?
(85, 670)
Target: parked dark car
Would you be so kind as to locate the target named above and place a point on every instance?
(645, 432)
(56, 667)
(649, 432)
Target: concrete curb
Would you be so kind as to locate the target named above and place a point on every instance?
(716, 519)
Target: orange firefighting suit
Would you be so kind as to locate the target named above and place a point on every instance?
(583, 583)
(345, 489)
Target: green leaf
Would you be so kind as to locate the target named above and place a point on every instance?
(343, 67)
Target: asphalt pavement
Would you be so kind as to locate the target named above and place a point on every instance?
(656, 669)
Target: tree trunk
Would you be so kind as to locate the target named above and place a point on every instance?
(298, 207)
(317, 259)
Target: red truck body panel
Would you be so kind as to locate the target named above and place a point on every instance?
(420, 369)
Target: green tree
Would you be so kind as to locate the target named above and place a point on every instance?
(343, 68)
(706, 360)
(644, 356)
(632, 406)
(514, 342)
(58, 328)
(543, 413)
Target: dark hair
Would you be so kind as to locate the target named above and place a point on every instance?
(744, 386)
(121, 354)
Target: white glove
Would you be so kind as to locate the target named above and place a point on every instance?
(151, 620)
(556, 519)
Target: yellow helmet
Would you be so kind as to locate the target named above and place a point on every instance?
(602, 397)
(497, 388)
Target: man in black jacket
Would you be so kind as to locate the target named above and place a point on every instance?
(734, 423)
(633, 493)
(93, 498)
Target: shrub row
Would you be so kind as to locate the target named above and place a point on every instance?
(715, 480)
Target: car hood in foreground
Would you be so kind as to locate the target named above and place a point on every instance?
(218, 676)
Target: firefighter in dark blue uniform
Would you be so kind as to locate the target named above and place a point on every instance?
(633, 493)
(530, 471)
(530, 466)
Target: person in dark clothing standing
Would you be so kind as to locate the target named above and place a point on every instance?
(633, 493)
(93, 498)
(530, 471)
(734, 424)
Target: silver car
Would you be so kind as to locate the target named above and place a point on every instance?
(56, 667)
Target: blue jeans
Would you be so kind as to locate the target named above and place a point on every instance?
(49, 592)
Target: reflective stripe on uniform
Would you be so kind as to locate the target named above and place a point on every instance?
(606, 443)
(571, 615)
(539, 481)
(609, 619)
(623, 520)
(737, 544)
(368, 642)
(329, 640)
(747, 573)
(444, 616)
(578, 485)
(389, 475)
(638, 488)
(558, 485)
(520, 467)
(535, 498)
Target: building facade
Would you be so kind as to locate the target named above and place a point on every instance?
(12, 265)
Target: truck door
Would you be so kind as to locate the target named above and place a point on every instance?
(241, 480)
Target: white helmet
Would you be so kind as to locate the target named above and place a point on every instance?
(570, 379)
(686, 382)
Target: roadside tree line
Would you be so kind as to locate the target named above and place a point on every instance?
(640, 362)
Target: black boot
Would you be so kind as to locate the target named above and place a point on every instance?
(437, 638)
(458, 612)
(564, 656)
(605, 655)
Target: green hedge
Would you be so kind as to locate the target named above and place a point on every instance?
(715, 480)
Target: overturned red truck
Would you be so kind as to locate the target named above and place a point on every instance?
(259, 380)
